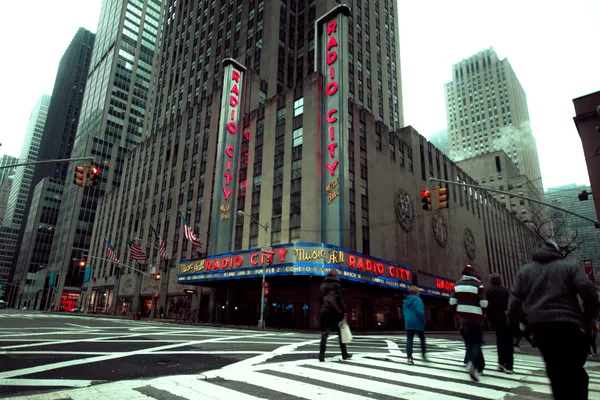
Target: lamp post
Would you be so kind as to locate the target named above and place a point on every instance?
(261, 322)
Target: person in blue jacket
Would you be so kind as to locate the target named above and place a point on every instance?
(414, 322)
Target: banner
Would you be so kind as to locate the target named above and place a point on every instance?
(228, 143)
(52, 279)
(331, 36)
(87, 275)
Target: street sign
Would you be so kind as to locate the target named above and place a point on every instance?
(266, 250)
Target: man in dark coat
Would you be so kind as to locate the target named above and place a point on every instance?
(333, 311)
(548, 291)
(497, 296)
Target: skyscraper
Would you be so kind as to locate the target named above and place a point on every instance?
(15, 211)
(486, 109)
(43, 203)
(111, 121)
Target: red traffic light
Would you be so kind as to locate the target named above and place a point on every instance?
(425, 193)
(95, 170)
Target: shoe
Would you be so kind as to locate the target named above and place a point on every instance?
(473, 373)
(424, 358)
(501, 368)
(321, 357)
(346, 356)
(510, 372)
(410, 361)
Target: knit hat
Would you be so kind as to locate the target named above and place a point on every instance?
(470, 271)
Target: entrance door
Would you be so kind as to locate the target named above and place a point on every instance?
(357, 320)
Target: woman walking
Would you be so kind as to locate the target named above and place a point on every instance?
(414, 322)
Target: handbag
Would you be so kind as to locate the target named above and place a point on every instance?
(345, 333)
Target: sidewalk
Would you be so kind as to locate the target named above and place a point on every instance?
(245, 327)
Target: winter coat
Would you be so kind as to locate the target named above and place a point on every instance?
(547, 291)
(332, 287)
(468, 300)
(497, 297)
(414, 313)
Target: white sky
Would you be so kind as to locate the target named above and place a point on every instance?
(552, 46)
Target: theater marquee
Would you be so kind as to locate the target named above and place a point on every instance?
(331, 35)
(228, 143)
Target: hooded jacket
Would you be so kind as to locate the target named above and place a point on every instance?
(414, 313)
(546, 290)
(497, 296)
(332, 286)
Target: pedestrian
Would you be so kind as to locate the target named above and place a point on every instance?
(460, 329)
(413, 310)
(547, 291)
(497, 296)
(333, 311)
(161, 312)
(468, 301)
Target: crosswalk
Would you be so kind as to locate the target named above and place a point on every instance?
(365, 376)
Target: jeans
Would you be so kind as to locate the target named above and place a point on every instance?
(467, 348)
(410, 336)
(564, 347)
(505, 346)
(473, 341)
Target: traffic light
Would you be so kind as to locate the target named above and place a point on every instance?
(584, 195)
(79, 176)
(158, 276)
(93, 176)
(441, 198)
(266, 291)
(426, 199)
(82, 263)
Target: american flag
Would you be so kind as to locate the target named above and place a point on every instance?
(162, 247)
(137, 253)
(189, 233)
(111, 253)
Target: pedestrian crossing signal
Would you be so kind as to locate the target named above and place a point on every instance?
(93, 176)
(426, 199)
(79, 176)
(442, 198)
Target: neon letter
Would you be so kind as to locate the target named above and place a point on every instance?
(332, 168)
(351, 261)
(331, 27)
(227, 178)
(331, 57)
(235, 76)
(232, 128)
(235, 90)
(229, 151)
(282, 254)
(253, 259)
(331, 88)
(331, 148)
(332, 43)
(233, 101)
(330, 117)
(226, 192)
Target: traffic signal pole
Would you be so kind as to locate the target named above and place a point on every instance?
(58, 160)
(485, 189)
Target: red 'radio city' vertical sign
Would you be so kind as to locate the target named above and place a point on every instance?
(226, 167)
(332, 61)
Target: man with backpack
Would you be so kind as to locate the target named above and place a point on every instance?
(333, 311)
(548, 291)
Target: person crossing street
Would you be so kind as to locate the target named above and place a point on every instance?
(333, 311)
(413, 310)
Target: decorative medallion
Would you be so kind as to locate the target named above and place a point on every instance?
(469, 242)
(440, 229)
(128, 283)
(404, 209)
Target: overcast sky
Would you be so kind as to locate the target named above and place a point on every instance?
(552, 46)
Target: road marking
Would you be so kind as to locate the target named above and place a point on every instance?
(393, 348)
(81, 326)
(70, 363)
(45, 382)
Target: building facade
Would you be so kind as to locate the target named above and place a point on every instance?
(8, 238)
(587, 120)
(334, 185)
(5, 188)
(486, 109)
(578, 236)
(56, 143)
(31, 273)
(111, 121)
(496, 170)
(15, 211)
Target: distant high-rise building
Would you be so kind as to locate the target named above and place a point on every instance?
(576, 234)
(15, 211)
(43, 201)
(5, 186)
(4, 161)
(440, 140)
(486, 109)
(111, 121)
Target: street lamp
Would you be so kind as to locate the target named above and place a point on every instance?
(261, 322)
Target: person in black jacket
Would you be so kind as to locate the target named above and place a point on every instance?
(548, 291)
(498, 296)
(333, 311)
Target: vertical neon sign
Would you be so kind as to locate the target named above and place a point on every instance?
(332, 38)
(228, 142)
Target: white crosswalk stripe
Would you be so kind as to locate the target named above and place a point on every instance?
(365, 376)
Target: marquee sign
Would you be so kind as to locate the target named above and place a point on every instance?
(226, 177)
(331, 35)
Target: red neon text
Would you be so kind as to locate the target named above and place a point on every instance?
(331, 89)
(232, 128)
(444, 285)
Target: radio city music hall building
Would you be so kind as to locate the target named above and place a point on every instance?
(336, 185)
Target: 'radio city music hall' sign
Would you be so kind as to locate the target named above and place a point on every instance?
(226, 167)
(332, 61)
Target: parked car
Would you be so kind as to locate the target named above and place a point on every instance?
(2, 304)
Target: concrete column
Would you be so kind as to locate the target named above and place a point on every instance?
(135, 299)
(211, 306)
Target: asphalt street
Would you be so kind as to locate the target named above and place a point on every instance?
(49, 356)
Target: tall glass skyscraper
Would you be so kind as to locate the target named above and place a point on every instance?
(111, 122)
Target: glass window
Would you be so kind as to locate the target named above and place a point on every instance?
(299, 107)
(297, 137)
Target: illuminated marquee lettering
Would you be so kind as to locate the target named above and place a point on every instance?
(331, 89)
(444, 284)
(234, 101)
